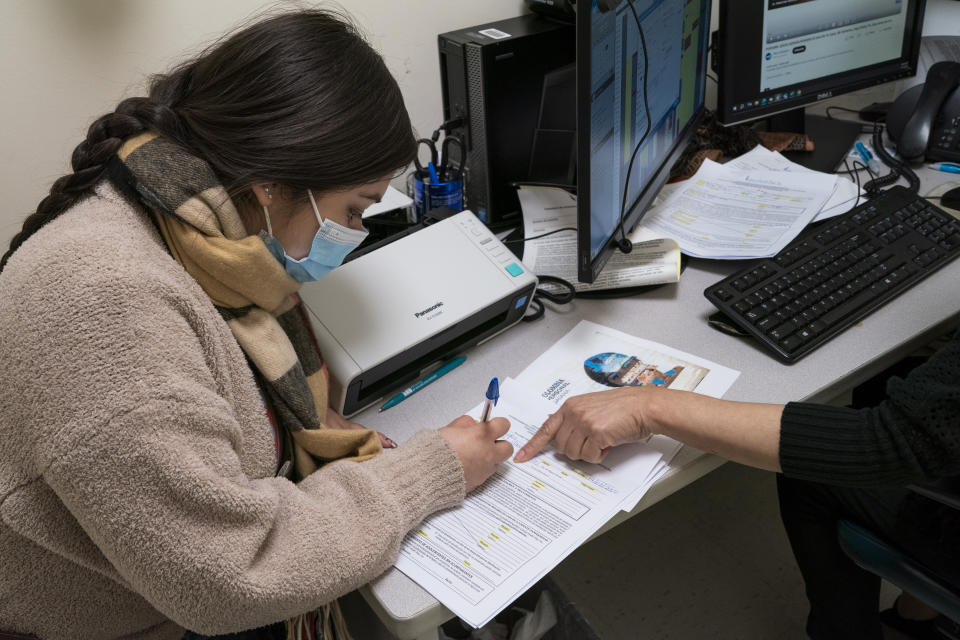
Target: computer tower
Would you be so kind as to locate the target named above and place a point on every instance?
(516, 126)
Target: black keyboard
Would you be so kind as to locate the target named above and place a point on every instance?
(838, 271)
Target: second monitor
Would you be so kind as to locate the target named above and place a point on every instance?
(776, 56)
(641, 80)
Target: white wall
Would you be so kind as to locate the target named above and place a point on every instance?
(64, 63)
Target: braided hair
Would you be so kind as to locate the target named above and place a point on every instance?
(298, 98)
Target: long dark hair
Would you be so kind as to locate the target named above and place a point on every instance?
(300, 99)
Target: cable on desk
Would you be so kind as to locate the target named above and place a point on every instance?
(564, 296)
(542, 235)
(830, 117)
(853, 172)
(866, 125)
(856, 174)
(898, 168)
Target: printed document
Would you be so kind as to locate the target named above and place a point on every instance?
(725, 213)
(479, 557)
(592, 357)
(845, 195)
(549, 209)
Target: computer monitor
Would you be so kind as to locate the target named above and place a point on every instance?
(618, 85)
(776, 56)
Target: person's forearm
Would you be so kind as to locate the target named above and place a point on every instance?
(748, 433)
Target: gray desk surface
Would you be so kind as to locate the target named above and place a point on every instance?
(673, 315)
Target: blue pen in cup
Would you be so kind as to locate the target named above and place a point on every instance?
(490, 399)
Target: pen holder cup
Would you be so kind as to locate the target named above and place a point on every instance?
(428, 196)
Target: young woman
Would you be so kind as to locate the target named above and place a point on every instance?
(835, 463)
(169, 461)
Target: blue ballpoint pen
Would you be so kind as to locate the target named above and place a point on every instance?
(434, 178)
(420, 384)
(491, 397)
(947, 167)
(868, 159)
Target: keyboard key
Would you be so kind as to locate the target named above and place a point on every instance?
(788, 327)
(765, 323)
(817, 327)
(777, 334)
(790, 343)
(723, 295)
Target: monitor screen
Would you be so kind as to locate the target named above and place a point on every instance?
(777, 55)
(626, 98)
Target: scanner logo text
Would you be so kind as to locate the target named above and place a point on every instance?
(419, 314)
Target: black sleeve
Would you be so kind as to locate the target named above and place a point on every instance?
(913, 435)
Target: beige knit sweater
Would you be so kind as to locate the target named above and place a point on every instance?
(137, 494)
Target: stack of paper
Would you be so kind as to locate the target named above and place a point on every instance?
(751, 207)
(479, 557)
(547, 210)
(845, 194)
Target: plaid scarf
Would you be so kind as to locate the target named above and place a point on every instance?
(253, 293)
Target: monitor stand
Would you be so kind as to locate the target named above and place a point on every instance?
(832, 138)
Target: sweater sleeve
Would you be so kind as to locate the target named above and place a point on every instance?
(912, 436)
(216, 551)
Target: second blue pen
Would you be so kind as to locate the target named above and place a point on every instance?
(420, 384)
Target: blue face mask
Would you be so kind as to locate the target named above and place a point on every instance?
(330, 246)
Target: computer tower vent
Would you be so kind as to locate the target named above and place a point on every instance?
(476, 169)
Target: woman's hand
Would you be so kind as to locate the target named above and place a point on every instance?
(586, 426)
(337, 421)
(478, 446)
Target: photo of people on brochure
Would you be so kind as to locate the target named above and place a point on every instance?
(593, 358)
(620, 370)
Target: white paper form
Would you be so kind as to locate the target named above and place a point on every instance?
(845, 195)
(546, 209)
(592, 357)
(728, 214)
(479, 557)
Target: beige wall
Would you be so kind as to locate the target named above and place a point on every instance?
(65, 62)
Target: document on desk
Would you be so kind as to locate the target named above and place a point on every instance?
(479, 557)
(548, 209)
(592, 357)
(725, 213)
(845, 194)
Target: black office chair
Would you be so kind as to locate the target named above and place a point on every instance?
(888, 562)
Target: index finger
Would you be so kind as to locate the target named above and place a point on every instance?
(541, 438)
